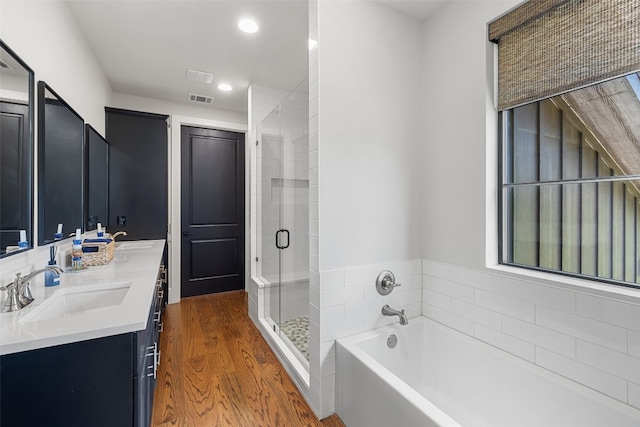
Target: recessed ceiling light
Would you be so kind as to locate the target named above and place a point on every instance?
(312, 44)
(225, 87)
(248, 26)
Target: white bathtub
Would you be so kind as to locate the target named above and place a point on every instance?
(436, 376)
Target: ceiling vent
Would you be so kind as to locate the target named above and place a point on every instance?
(200, 98)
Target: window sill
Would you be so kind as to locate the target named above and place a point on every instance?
(579, 285)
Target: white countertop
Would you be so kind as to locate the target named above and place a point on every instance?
(138, 265)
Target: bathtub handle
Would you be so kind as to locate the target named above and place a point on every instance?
(385, 282)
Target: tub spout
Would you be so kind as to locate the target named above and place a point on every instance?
(388, 311)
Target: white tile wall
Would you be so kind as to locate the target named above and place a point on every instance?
(588, 338)
(351, 305)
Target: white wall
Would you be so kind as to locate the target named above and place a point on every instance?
(46, 36)
(364, 105)
(227, 119)
(369, 115)
(585, 331)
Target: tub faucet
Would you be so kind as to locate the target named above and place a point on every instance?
(18, 292)
(388, 311)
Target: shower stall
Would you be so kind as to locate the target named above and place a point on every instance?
(281, 221)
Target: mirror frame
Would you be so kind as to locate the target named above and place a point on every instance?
(89, 130)
(42, 88)
(30, 149)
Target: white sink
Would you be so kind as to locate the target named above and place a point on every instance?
(81, 300)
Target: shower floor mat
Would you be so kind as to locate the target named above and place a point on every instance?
(297, 330)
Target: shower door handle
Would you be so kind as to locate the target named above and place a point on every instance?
(278, 239)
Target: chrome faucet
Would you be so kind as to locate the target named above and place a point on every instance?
(18, 292)
(388, 311)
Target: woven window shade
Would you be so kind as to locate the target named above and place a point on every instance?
(548, 47)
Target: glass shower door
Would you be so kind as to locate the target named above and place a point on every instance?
(282, 165)
(294, 223)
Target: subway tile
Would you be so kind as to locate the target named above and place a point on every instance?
(410, 282)
(314, 245)
(363, 274)
(608, 360)
(327, 352)
(583, 328)
(345, 295)
(617, 313)
(343, 329)
(328, 383)
(313, 211)
(476, 313)
(515, 346)
(426, 281)
(404, 268)
(608, 384)
(476, 279)
(551, 340)
(313, 141)
(548, 296)
(361, 308)
(314, 262)
(436, 269)
(436, 299)
(314, 312)
(333, 314)
(452, 289)
(634, 395)
(313, 159)
(509, 306)
(400, 299)
(452, 320)
(634, 343)
(314, 296)
(332, 279)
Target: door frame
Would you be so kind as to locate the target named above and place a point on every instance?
(174, 234)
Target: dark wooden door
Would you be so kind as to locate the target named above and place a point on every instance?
(137, 174)
(212, 211)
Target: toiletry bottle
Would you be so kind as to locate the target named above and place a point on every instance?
(58, 234)
(76, 252)
(51, 278)
(23, 244)
(100, 232)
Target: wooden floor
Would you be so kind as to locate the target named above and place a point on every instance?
(217, 370)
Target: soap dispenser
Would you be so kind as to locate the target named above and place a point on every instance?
(51, 278)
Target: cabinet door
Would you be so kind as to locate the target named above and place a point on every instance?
(82, 384)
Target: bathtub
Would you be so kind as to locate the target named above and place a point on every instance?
(436, 376)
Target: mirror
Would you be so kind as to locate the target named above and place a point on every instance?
(16, 151)
(97, 173)
(60, 166)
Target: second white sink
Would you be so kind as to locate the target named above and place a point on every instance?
(74, 301)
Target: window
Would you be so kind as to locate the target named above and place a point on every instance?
(570, 180)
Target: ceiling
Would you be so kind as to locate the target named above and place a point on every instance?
(145, 47)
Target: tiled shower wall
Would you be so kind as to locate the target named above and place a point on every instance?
(590, 339)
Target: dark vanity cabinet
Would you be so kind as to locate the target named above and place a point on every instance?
(103, 382)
